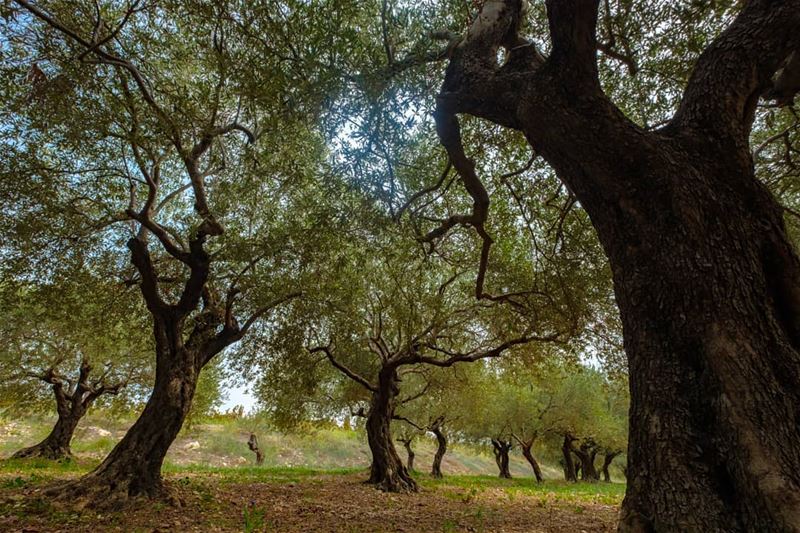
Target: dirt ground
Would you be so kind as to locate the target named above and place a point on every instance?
(324, 503)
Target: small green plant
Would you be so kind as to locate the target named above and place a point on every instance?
(15, 483)
(470, 496)
(448, 526)
(254, 518)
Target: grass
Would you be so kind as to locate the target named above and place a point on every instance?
(221, 442)
(311, 481)
(293, 499)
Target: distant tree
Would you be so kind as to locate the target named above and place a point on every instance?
(59, 345)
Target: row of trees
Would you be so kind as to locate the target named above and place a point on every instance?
(577, 412)
(267, 181)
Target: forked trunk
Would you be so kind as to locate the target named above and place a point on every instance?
(528, 454)
(607, 460)
(441, 449)
(409, 453)
(56, 445)
(570, 473)
(587, 453)
(387, 471)
(501, 450)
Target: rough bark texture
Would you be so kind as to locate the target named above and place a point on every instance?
(501, 449)
(387, 471)
(133, 468)
(56, 445)
(706, 279)
(441, 449)
(72, 403)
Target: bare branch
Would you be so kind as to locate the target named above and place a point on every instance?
(343, 369)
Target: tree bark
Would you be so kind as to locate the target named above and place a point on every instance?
(570, 473)
(441, 449)
(528, 454)
(252, 443)
(501, 450)
(56, 445)
(706, 278)
(387, 471)
(133, 468)
(607, 460)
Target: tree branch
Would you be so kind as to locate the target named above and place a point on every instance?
(737, 68)
(343, 369)
(573, 30)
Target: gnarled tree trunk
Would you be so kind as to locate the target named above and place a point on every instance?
(501, 450)
(586, 453)
(56, 445)
(409, 453)
(72, 403)
(133, 468)
(387, 471)
(607, 460)
(706, 278)
(441, 449)
(252, 443)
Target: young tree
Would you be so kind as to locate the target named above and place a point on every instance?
(704, 272)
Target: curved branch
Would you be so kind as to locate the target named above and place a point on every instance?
(343, 369)
(737, 68)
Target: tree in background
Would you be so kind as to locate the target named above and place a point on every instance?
(80, 349)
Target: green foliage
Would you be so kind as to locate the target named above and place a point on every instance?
(254, 518)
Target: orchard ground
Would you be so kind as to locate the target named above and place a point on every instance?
(310, 482)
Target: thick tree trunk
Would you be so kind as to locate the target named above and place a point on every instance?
(133, 468)
(570, 473)
(56, 445)
(441, 449)
(709, 293)
(708, 287)
(528, 454)
(501, 450)
(706, 279)
(607, 460)
(587, 453)
(387, 471)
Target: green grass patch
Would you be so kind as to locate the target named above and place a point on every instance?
(605, 493)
